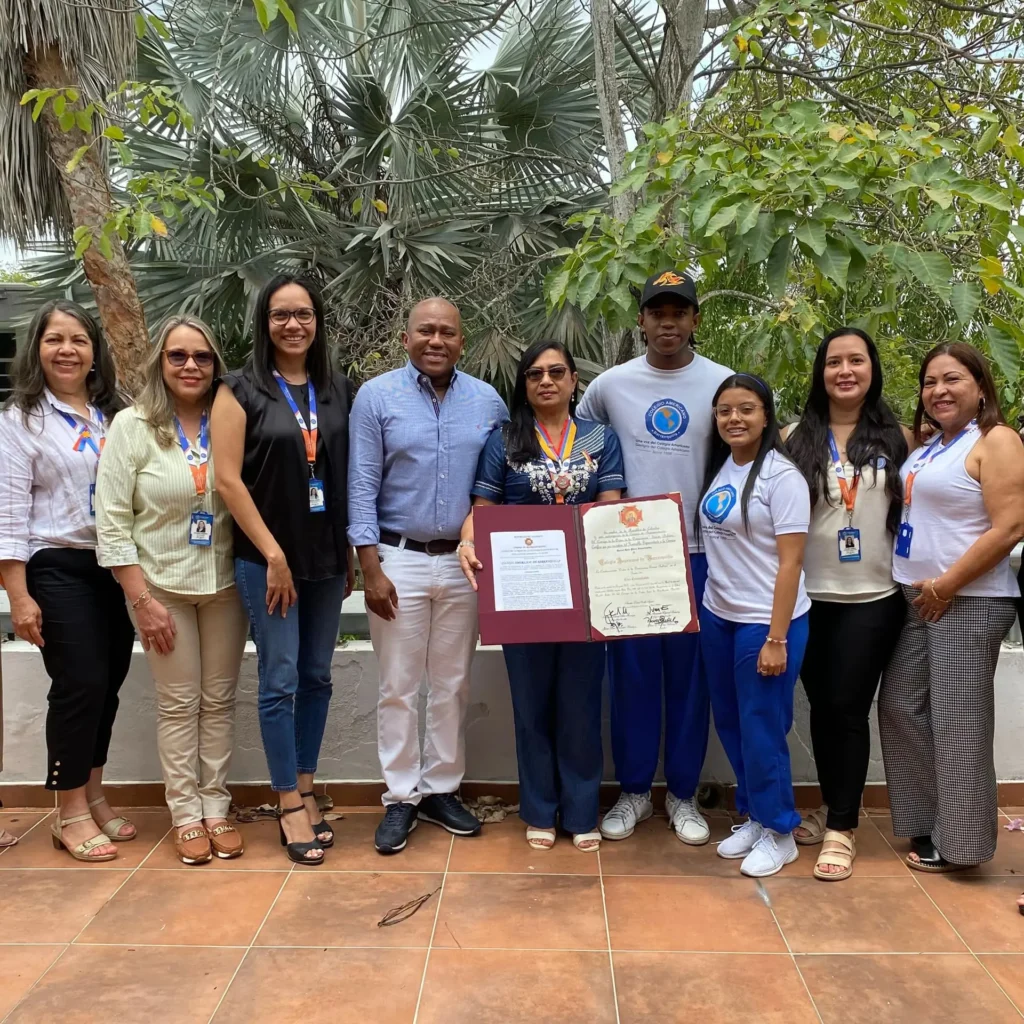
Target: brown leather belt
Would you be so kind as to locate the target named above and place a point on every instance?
(430, 547)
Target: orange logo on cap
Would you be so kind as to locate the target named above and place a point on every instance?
(670, 277)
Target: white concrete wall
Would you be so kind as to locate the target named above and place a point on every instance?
(350, 746)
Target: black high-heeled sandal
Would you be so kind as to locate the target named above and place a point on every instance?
(322, 827)
(297, 851)
(929, 859)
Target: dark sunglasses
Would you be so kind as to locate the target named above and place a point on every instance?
(279, 317)
(535, 374)
(179, 357)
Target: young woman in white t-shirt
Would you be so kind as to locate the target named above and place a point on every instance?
(753, 518)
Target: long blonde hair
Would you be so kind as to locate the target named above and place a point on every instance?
(155, 401)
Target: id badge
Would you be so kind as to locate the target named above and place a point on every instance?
(903, 539)
(849, 544)
(200, 529)
(92, 499)
(316, 495)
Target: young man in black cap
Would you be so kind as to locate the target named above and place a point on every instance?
(659, 405)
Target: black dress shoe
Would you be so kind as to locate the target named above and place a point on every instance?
(393, 832)
(445, 809)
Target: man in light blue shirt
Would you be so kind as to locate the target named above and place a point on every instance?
(416, 434)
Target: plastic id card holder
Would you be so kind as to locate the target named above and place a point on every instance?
(903, 539)
(849, 545)
(92, 499)
(200, 529)
(316, 496)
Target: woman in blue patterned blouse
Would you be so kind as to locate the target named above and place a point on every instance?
(545, 456)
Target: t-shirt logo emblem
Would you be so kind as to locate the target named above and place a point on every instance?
(667, 420)
(717, 504)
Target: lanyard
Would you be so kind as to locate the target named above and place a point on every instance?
(558, 456)
(197, 460)
(931, 452)
(308, 433)
(84, 439)
(848, 493)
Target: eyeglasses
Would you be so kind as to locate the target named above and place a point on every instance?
(535, 374)
(179, 357)
(279, 317)
(723, 412)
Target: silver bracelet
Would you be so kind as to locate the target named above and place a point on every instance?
(464, 544)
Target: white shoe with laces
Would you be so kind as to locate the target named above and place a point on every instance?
(689, 824)
(629, 810)
(771, 853)
(742, 841)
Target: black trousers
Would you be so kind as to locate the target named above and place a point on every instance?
(848, 647)
(87, 650)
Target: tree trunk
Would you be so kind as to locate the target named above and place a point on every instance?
(685, 23)
(88, 196)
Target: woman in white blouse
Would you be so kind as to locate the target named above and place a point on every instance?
(51, 433)
(167, 536)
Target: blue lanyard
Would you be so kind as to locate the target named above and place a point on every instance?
(196, 460)
(933, 451)
(308, 433)
(85, 438)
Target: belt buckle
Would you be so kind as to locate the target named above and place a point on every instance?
(430, 549)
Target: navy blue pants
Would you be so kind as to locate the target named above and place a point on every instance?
(556, 703)
(754, 713)
(643, 671)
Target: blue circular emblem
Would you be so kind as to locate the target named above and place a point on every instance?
(717, 504)
(667, 419)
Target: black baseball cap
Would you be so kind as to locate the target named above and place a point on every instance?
(670, 282)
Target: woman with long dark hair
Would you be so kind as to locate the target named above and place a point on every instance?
(963, 511)
(848, 444)
(280, 430)
(753, 517)
(64, 398)
(544, 455)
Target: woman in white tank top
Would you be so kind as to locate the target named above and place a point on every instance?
(963, 512)
(849, 446)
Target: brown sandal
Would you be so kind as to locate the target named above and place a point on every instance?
(837, 850)
(226, 841)
(193, 845)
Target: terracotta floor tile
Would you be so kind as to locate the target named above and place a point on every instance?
(36, 849)
(333, 909)
(52, 906)
(18, 823)
(521, 912)
(1008, 970)
(860, 915)
(704, 987)
(357, 986)
(20, 966)
(874, 989)
(982, 910)
(353, 848)
(503, 848)
(121, 983)
(653, 849)
(263, 851)
(477, 986)
(695, 914)
(187, 908)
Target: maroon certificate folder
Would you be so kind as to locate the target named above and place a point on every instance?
(583, 572)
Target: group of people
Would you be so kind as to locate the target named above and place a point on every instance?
(844, 550)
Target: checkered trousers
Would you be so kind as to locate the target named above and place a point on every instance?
(936, 716)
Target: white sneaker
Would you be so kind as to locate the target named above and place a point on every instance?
(741, 842)
(686, 819)
(771, 853)
(622, 819)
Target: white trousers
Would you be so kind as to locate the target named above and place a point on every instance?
(433, 634)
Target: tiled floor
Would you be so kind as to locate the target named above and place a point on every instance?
(647, 931)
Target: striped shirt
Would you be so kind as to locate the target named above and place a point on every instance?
(145, 497)
(44, 482)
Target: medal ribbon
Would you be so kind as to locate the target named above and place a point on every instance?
(197, 460)
(557, 456)
(849, 494)
(308, 433)
(84, 439)
(931, 452)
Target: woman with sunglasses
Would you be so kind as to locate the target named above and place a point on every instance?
(545, 456)
(280, 428)
(753, 518)
(166, 534)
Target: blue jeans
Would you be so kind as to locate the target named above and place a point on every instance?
(637, 668)
(754, 713)
(294, 657)
(556, 703)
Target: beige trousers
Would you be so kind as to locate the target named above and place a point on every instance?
(195, 691)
